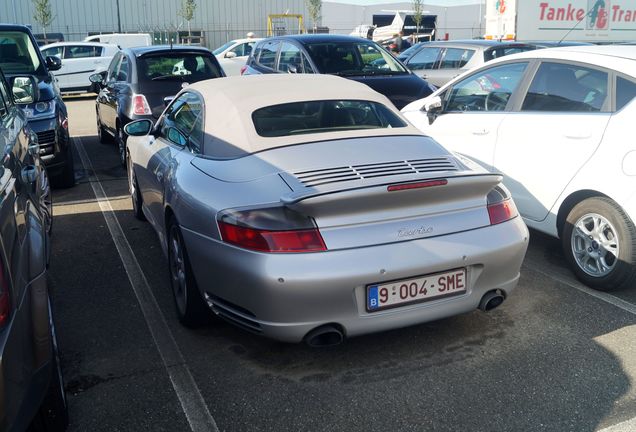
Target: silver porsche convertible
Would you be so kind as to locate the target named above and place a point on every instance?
(305, 207)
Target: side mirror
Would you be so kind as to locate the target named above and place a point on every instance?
(230, 54)
(292, 69)
(25, 89)
(433, 108)
(177, 137)
(53, 63)
(138, 127)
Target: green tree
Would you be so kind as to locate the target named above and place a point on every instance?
(43, 14)
(314, 7)
(418, 11)
(187, 12)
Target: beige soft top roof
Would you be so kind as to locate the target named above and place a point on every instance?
(230, 102)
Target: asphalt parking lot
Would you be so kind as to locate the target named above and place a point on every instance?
(555, 357)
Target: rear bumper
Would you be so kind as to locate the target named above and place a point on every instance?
(284, 296)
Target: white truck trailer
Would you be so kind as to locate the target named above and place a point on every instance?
(554, 20)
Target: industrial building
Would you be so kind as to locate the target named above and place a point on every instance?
(216, 20)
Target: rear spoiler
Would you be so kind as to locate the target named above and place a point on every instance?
(314, 196)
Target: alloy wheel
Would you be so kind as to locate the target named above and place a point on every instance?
(46, 201)
(595, 245)
(178, 270)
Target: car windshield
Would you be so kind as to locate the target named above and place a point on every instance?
(18, 55)
(323, 116)
(175, 66)
(353, 58)
(223, 47)
(501, 51)
(410, 51)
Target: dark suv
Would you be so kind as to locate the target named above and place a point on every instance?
(31, 387)
(46, 113)
(140, 81)
(351, 57)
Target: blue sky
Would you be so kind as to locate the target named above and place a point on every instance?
(426, 2)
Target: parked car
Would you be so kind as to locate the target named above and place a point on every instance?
(439, 62)
(556, 123)
(346, 56)
(233, 54)
(31, 385)
(46, 111)
(139, 81)
(307, 208)
(79, 61)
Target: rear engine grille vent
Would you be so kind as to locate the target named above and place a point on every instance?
(385, 169)
(46, 140)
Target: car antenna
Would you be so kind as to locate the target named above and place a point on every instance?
(589, 11)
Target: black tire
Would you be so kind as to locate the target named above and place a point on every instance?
(66, 178)
(53, 413)
(191, 308)
(599, 242)
(102, 135)
(120, 140)
(135, 194)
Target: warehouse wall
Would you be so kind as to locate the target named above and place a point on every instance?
(221, 20)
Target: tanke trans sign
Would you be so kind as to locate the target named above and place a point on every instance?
(581, 20)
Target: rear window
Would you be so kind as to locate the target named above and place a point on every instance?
(493, 53)
(174, 66)
(323, 116)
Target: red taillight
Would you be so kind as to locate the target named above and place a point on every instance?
(272, 241)
(417, 185)
(140, 105)
(243, 69)
(502, 211)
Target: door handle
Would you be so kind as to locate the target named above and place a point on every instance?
(481, 132)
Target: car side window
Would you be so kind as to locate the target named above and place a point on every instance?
(487, 90)
(289, 58)
(267, 56)
(79, 51)
(566, 88)
(122, 73)
(243, 49)
(53, 51)
(625, 92)
(456, 58)
(425, 59)
(183, 121)
(114, 66)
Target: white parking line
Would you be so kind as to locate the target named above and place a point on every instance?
(626, 426)
(192, 403)
(607, 298)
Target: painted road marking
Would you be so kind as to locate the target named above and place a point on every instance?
(192, 403)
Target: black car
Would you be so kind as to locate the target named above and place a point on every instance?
(140, 81)
(47, 114)
(31, 387)
(347, 56)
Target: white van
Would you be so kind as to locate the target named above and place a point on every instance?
(123, 40)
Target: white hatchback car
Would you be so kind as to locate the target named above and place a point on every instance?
(79, 61)
(233, 54)
(559, 124)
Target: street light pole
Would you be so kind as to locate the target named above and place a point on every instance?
(118, 18)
